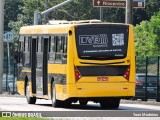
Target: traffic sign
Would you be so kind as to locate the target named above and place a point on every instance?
(118, 3)
(8, 36)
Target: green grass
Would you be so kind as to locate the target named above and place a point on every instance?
(20, 118)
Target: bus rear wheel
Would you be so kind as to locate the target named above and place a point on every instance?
(110, 103)
(30, 100)
(55, 102)
(83, 102)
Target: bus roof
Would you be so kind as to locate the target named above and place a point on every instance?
(45, 29)
(58, 27)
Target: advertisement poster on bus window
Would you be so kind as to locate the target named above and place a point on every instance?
(102, 43)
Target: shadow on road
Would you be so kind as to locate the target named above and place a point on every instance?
(97, 107)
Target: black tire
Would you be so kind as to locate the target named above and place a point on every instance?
(116, 104)
(83, 102)
(30, 100)
(110, 103)
(55, 102)
(67, 104)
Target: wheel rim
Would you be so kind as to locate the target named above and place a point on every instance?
(27, 91)
(53, 95)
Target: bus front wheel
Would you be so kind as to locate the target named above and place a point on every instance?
(55, 102)
(30, 100)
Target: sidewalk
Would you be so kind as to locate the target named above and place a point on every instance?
(149, 102)
(6, 94)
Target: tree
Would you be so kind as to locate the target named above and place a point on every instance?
(67, 12)
(151, 8)
(147, 34)
(11, 11)
(80, 10)
(76, 10)
(21, 21)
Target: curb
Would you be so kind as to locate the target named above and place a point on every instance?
(6, 94)
(149, 102)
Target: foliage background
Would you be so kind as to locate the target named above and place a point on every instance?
(146, 21)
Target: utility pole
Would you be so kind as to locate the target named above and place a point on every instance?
(129, 11)
(56, 7)
(1, 40)
(101, 13)
(46, 7)
(36, 17)
(37, 14)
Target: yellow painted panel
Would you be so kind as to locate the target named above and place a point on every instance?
(57, 68)
(72, 90)
(104, 90)
(20, 87)
(26, 71)
(61, 92)
(131, 91)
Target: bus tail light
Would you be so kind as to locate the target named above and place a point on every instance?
(126, 74)
(77, 74)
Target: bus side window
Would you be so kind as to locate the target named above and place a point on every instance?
(42, 41)
(39, 44)
(21, 49)
(52, 49)
(64, 45)
(21, 45)
(39, 53)
(26, 44)
(26, 57)
(59, 49)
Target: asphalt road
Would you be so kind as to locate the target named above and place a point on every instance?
(20, 104)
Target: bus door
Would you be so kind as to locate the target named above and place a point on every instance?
(33, 64)
(42, 66)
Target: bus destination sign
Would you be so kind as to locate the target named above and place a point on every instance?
(118, 3)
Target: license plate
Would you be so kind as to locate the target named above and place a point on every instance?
(102, 78)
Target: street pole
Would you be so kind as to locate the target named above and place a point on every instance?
(36, 17)
(158, 81)
(46, 15)
(101, 13)
(56, 7)
(129, 12)
(1, 41)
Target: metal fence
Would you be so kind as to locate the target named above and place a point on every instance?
(148, 78)
(146, 67)
(9, 79)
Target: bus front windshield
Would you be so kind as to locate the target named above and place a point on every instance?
(102, 42)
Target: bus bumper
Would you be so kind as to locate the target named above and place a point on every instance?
(101, 90)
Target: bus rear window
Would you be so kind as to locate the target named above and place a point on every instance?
(102, 42)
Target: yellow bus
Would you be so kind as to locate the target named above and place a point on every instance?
(77, 61)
